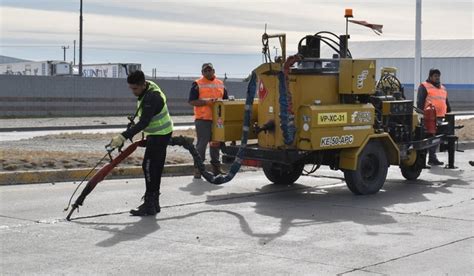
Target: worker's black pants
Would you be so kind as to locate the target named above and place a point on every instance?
(432, 150)
(154, 161)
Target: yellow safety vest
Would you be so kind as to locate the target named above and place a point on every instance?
(161, 123)
(437, 97)
(208, 89)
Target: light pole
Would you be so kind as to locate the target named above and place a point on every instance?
(80, 41)
(74, 63)
(64, 51)
(417, 69)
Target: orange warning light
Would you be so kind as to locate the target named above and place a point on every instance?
(348, 13)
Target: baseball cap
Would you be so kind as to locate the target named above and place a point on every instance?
(434, 71)
(206, 65)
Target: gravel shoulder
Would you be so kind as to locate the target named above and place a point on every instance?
(66, 151)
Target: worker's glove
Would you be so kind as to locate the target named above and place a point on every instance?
(117, 141)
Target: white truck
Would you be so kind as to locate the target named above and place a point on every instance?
(107, 70)
(37, 68)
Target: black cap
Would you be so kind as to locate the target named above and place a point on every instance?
(207, 65)
(434, 71)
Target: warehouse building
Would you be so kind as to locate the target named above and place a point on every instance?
(454, 58)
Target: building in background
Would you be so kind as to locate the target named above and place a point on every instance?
(454, 58)
(37, 68)
(6, 59)
(15, 66)
(107, 70)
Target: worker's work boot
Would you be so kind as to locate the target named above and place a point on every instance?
(150, 207)
(435, 162)
(216, 169)
(197, 173)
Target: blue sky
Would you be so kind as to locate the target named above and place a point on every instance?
(177, 36)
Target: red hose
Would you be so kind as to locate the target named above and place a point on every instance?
(102, 173)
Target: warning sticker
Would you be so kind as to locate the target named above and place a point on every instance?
(262, 91)
(336, 140)
(220, 123)
(332, 118)
(361, 117)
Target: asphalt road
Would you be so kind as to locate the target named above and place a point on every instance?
(247, 226)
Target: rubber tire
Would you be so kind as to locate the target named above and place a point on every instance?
(413, 172)
(281, 174)
(371, 172)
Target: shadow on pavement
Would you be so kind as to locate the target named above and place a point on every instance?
(456, 174)
(122, 232)
(300, 206)
(199, 187)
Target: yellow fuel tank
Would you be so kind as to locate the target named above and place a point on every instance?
(228, 118)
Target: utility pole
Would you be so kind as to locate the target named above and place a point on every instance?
(64, 50)
(74, 63)
(80, 41)
(417, 74)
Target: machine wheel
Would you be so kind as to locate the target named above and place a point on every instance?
(413, 172)
(282, 174)
(371, 172)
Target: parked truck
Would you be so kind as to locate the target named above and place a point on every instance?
(37, 68)
(107, 70)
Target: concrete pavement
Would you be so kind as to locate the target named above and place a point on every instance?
(247, 226)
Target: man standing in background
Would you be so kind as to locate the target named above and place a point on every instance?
(432, 91)
(204, 92)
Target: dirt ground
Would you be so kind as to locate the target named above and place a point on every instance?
(467, 132)
(66, 151)
(78, 150)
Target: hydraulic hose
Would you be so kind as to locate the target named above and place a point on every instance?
(235, 167)
(287, 117)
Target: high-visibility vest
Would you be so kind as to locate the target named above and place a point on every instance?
(161, 123)
(437, 97)
(208, 89)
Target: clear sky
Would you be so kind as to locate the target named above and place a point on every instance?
(176, 37)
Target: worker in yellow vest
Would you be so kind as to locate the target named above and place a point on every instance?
(156, 124)
(432, 91)
(204, 92)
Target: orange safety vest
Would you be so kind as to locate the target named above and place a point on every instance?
(437, 97)
(208, 89)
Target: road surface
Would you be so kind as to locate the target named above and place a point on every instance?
(247, 226)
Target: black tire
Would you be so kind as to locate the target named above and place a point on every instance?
(413, 172)
(371, 172)
(282, 174)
